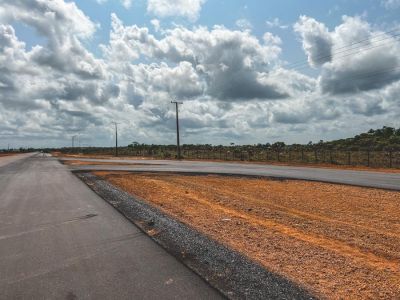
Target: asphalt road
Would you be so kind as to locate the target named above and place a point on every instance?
(59, 240)
(358, 178)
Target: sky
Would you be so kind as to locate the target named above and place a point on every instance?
(247, 72)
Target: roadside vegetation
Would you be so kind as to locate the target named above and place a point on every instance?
(376, 148)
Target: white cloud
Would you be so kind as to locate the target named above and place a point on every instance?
(231, 62)
(276, 23)
(125, 3)
(156, 25)
(317, 42)
(354, 57)
(179, 8)
(244, 24)
(391, 4)
(232, 82)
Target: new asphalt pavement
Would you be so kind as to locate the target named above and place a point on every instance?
(59, 240)
(358, 178)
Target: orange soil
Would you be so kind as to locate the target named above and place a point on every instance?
(7, 154)
(339, 242)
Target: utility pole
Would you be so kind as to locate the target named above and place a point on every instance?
(178, 146)
(73, 141)
(116, 138)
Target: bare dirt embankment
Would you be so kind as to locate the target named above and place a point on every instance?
(336, 241)
(7, 154)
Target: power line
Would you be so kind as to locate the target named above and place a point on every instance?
(356, 51)
(368, 39)
(372, 74)
(349, 47)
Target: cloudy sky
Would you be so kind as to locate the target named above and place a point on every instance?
(248, 72)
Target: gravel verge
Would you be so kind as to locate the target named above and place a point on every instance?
(233, 274)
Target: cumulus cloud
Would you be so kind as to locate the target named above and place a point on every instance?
(125, 3)
(52, 18)
(230, 62)
(180, 8)
(316, 39)
(35, 83)
(354, 57)
(64, 25)
(234, 86)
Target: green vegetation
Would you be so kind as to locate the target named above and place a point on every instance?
(376, 148)
(387, 138)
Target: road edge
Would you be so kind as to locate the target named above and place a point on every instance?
(233, 274)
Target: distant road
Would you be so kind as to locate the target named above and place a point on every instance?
(358, 178)
(59, 240)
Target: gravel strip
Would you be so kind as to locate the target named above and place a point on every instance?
(234, 275)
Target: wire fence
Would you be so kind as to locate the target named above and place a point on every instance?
(367, 158)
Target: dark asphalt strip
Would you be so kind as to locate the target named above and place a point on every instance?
(233, 274)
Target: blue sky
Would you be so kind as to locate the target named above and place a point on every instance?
(257, 12)
(75, 66)
(227, 13)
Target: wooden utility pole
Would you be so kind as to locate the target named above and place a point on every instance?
(116, 138)
(178, 146)
(73, 141)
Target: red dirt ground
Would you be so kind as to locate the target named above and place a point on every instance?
(339, 242)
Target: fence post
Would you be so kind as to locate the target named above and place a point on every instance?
(390, 159)
(368, 158)
(302, 155)
(315, 156)
(349, 158)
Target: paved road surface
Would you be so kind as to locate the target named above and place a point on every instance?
(359, 178)
(59, 240)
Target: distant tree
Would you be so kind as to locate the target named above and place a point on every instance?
(278, 146)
